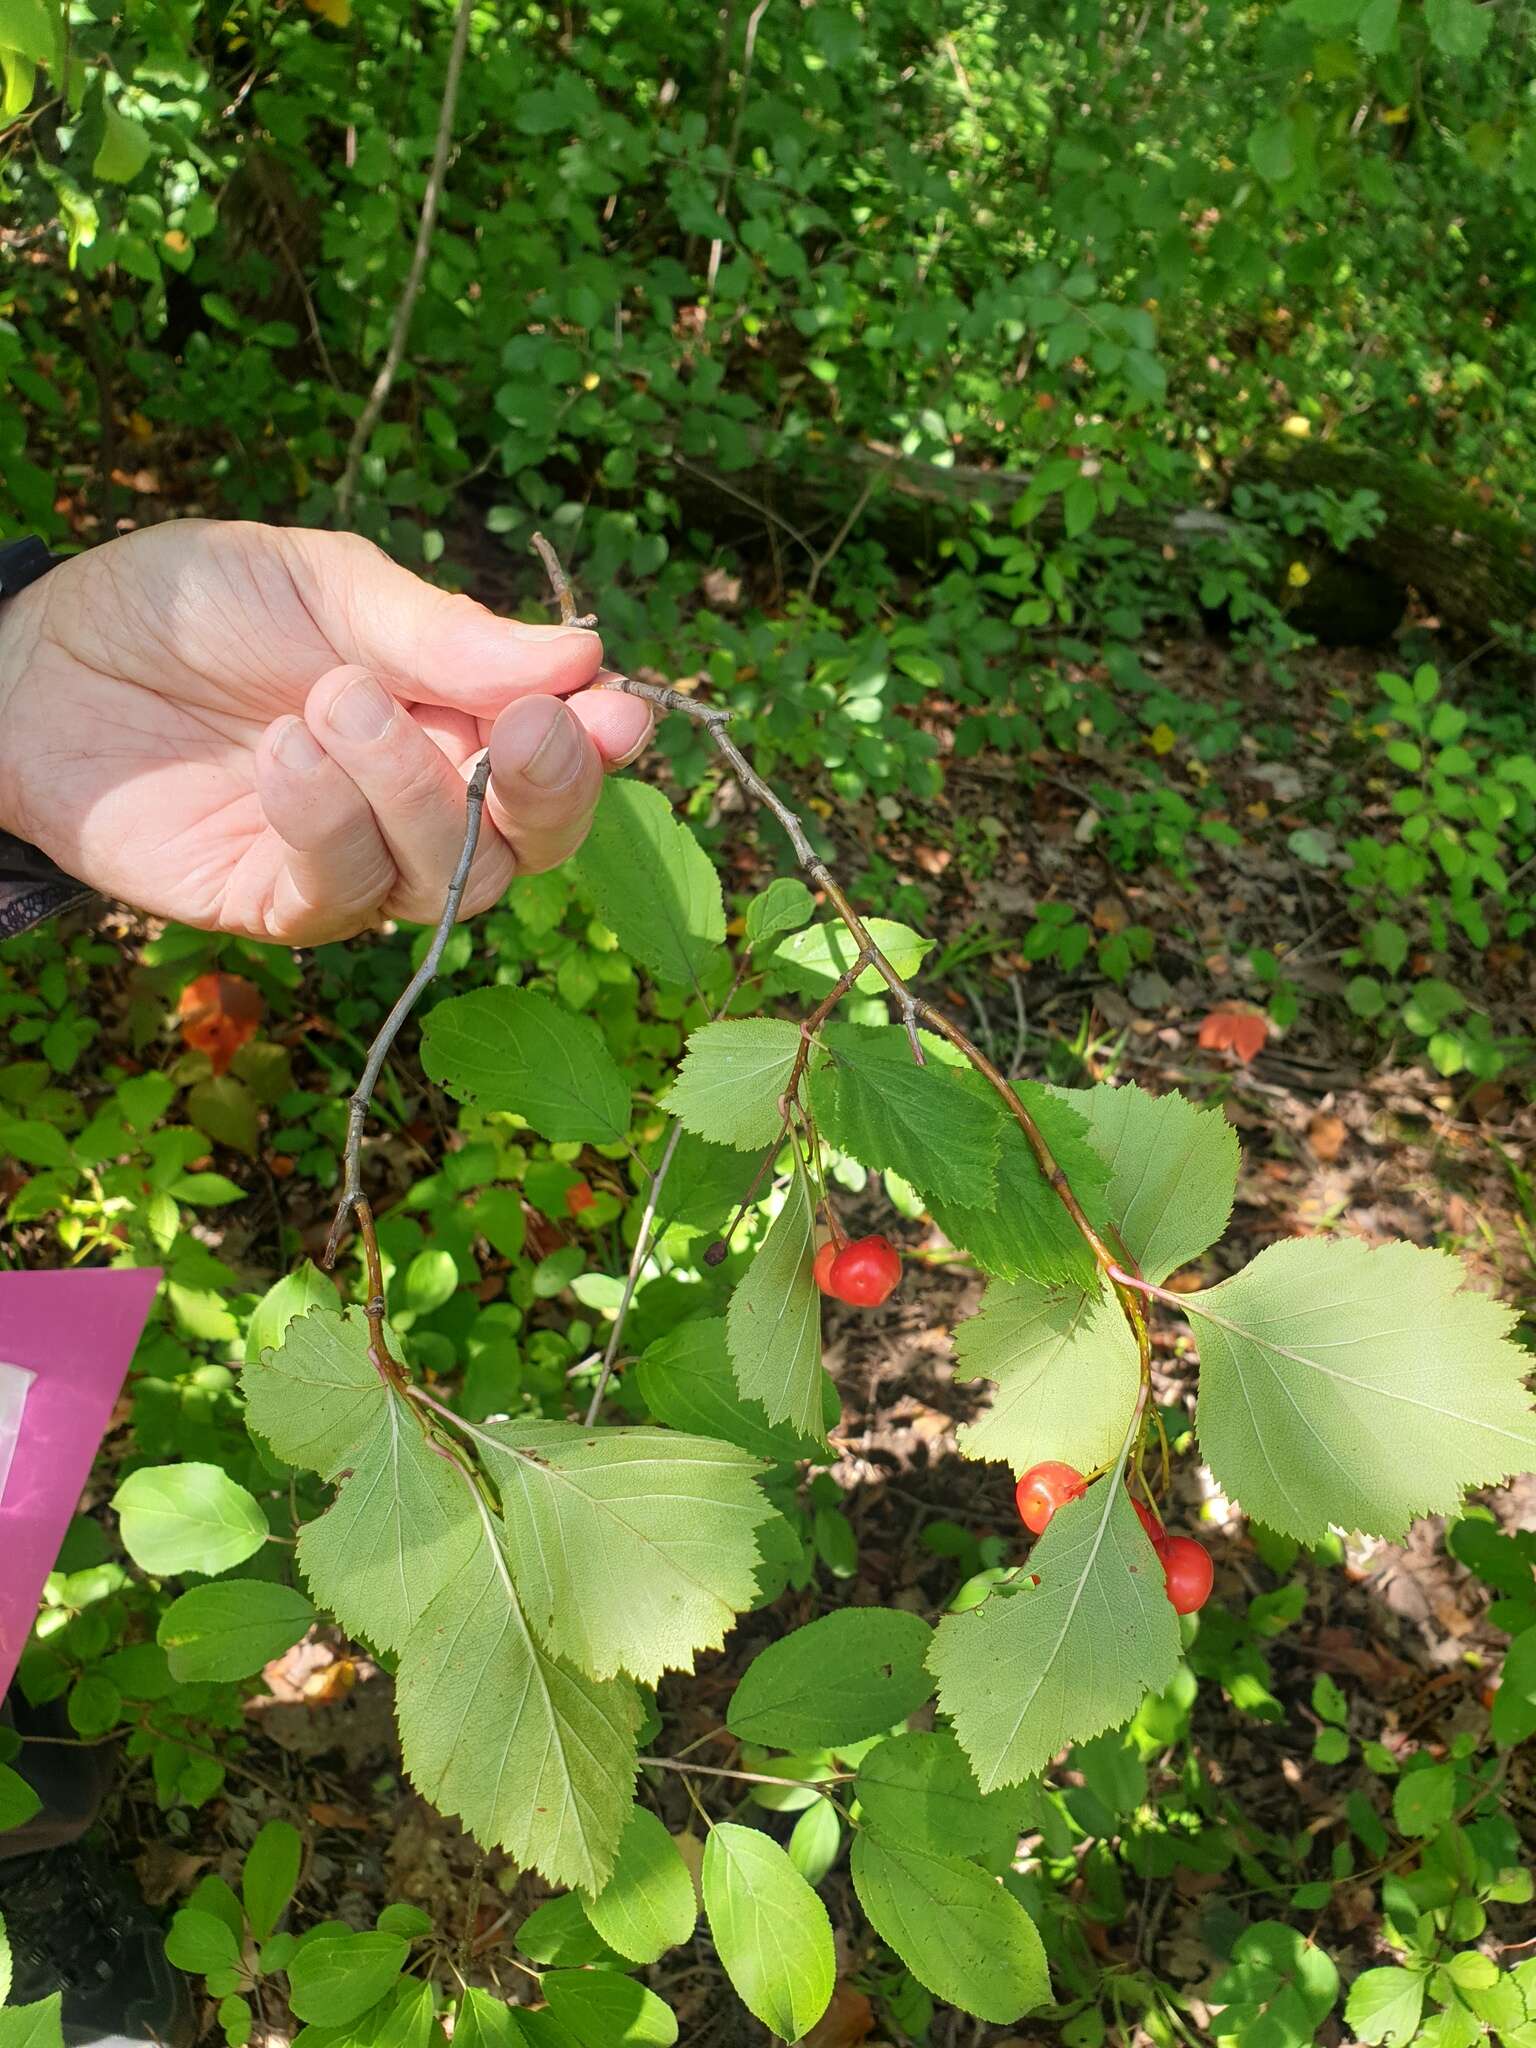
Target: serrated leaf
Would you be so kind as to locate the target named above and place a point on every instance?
(1024, 1230)
(879, 1106)
(294, 1295)
(917, 1791)
(187, 1518)
(817, 958)
(1033, 1669)
(39, 2025)
(631, 1549)
(782, 907)
(1386, 2005)
(1351, 1388)
(652, 883)
(1066, 1371)
(962, 1936)
(648, 1904)
(731, 1079)
(770, 1930)
(231, 1629)
(853, 1673)
(509, 1048)
(1172, 1172)
(602, 2009)
(686, 1381)
(18, 1800)
(533, 1757)
(316, 1398)
(773, 1323)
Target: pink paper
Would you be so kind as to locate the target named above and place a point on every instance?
(76, 1333)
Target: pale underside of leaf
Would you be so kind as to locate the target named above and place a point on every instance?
(773, 1324)
(1172, 1172)
(401, 1526)
(632, 1549)
(1066, 1372)
(1029, 1672)
(535, 1758)
(1356, 1388)
(316, 1398)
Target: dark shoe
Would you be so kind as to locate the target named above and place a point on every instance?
(75, 1926)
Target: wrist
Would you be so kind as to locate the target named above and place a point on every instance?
(21, 635)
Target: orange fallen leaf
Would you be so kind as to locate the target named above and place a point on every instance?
(325, 1815)
(848, 2020)
(1326, 1135)
(579, 1197)
(219, 1013)
(1240, 1032)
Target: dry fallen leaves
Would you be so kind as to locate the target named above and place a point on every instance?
(1326, 1135)
(1240, 1032)
(847, 2021)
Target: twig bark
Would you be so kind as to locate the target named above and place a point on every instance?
(357, 1108)
(394, 355)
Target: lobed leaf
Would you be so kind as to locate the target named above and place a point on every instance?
(1034, 1668)
(1024, 1230)
(879, 1106)
(1347, 1387)
(731, 1079)
(316, 1398)
(1172, 1172)
(1066, 1371)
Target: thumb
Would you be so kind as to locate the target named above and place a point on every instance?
(427, 645)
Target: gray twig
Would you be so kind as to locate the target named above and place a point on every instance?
(632, 1277)
(389, 1030)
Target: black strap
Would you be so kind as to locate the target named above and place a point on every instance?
(22, 562)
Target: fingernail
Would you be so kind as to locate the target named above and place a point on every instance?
(558, 756)
(363, 711)
(521, 630)
(628, 760)
(296, 748)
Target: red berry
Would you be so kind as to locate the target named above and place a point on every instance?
(1151, 1524)
(1043, 1489)
(822, 1269)
(865, 1272)
(1187, 1573)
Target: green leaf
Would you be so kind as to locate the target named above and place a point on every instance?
(187, 1518)
(1172, 1172)
(507, 1048)
(18, 1801)
(1424, 1800)
(34, 2026)
(817, 958)
(957, 1930)
(225, 1110)
(34, 1144)
(648, 1905)
(1514, 1704)
(601, 2009)
(402, 1523)
(853, 1673)
(1341, 1386)
(815, 1840)
(28, 26)
(6, 1964)
(773, 1323)
(652, 883)
(200, 1942)
(486, 2022)
(1385, 2006)
(1023, 1231)
(1272, 149)
(430, 1280)
(783, 906)
(334, 1978)
(878, 1105)
(270, 1875)
(917, 1791)
(1458, 28)
(1066, 1369)
(770, 1930)
(1276, 1990)
(731, 1079)
(231, 1629)
(685, 1379)
(549, 1771)
(1377, 26)
(94, 1704)
(1035, 1668)
(125, 148)
(631, 1549)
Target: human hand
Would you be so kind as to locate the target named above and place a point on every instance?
(266, 730)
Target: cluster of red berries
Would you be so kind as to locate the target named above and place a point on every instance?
(862, 1271)
(1187, 1568)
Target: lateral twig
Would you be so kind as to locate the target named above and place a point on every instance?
(351, 1201)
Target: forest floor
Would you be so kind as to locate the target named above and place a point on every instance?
(1330, 1141)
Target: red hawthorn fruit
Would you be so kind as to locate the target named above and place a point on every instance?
(822, 1269)
(1187, 1574)
(1043, 1489)
(865, 1272)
